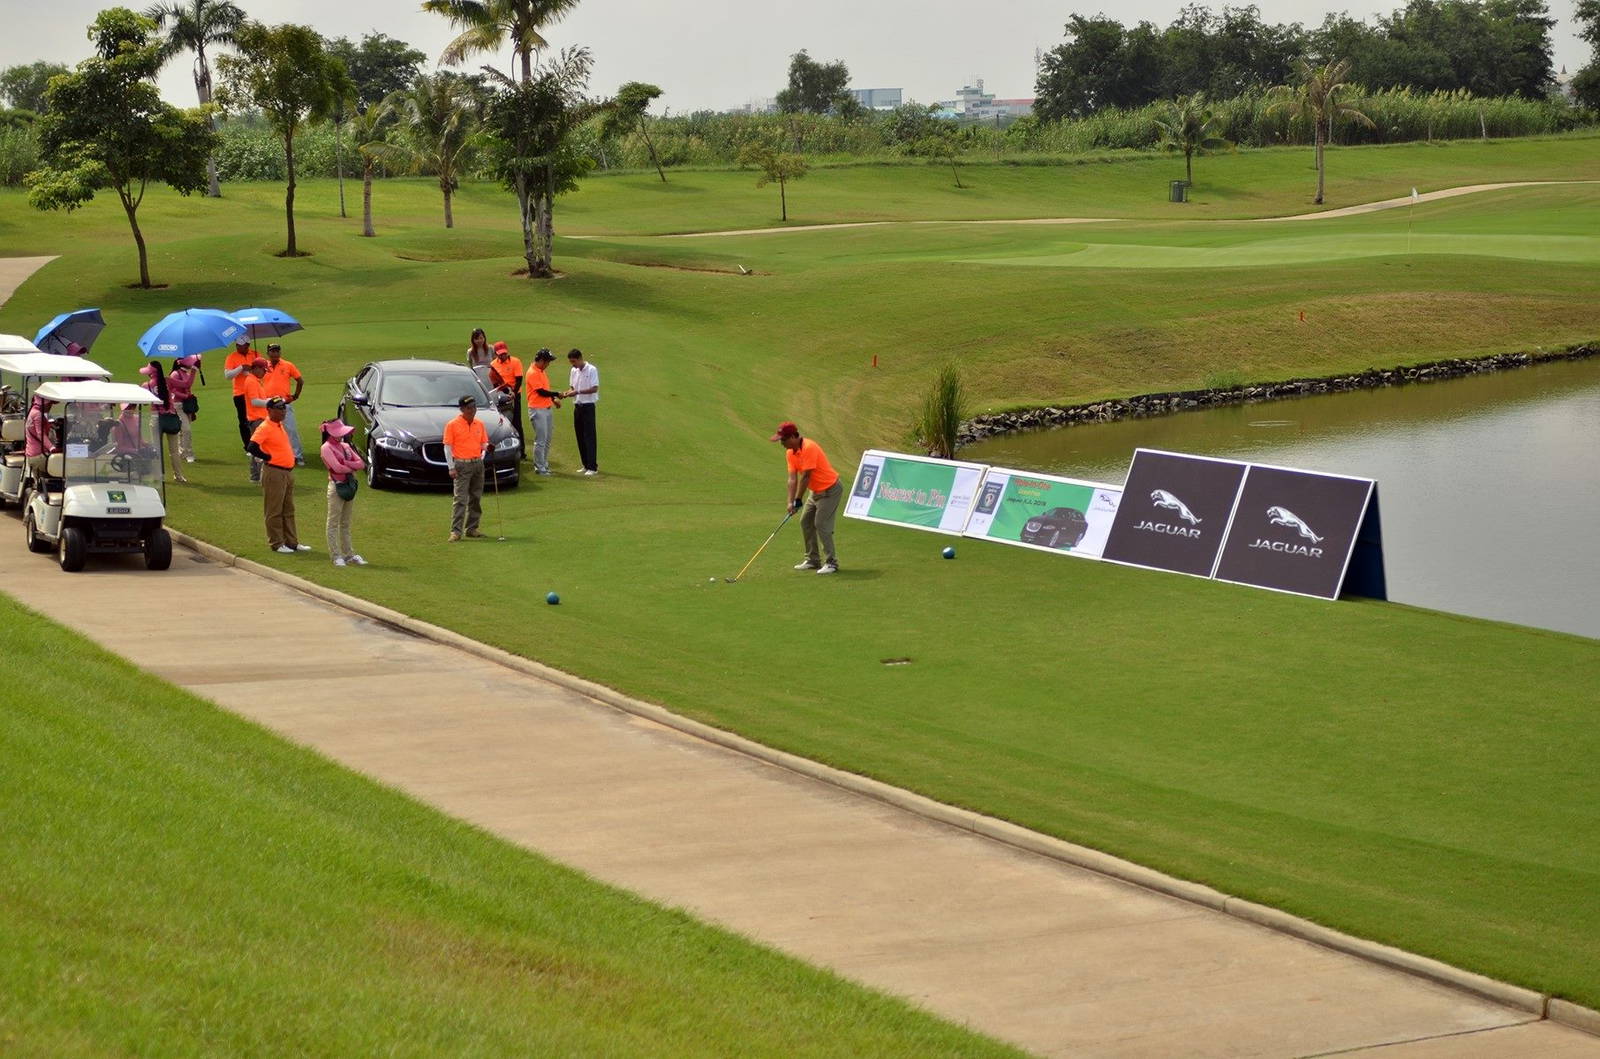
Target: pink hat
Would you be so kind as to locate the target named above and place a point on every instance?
(188, 362)
(147, 370)
(337, 428)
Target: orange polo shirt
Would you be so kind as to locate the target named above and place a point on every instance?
(465, 440)
(538, 380)
(274, 441)
(810, 457)
(253, 390)
(278, 379)
(234, 360)
(505, 372)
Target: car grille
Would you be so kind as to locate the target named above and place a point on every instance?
(433, 452)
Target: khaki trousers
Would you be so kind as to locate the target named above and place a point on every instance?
(277, 505)
(816, 523)
(467, 509)
(339, 512)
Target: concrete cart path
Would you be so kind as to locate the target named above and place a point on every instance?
(14, 272)
(1056, 959)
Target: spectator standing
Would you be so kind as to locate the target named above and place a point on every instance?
(255, 407)
(542, 402)
(166, 413)
(466, 443)
(282, 378)
(342, 462)
(583, 387)
(809, 469)
(479, 352)
(269, 443)
(505, 379)
(180, 384)
(237, 368)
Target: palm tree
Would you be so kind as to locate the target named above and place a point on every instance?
(370, 128)
(1316, 99)
(438, 119)
(489, 25)
(194, 25)
(1190, 127)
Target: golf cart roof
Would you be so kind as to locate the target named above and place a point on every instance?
(96, 392)
(16, 344)
(51, 366)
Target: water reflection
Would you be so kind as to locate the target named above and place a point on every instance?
(1490, 486)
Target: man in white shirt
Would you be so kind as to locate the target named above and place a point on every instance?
(584, 390)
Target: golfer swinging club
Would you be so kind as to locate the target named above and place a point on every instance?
(809, 469)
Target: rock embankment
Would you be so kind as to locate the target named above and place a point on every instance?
(1154, 404)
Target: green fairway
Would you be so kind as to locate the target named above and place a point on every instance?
(1409, 776)
(179, 882)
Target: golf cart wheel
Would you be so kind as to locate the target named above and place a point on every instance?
(30, 532)
(374, 479)
(74, 549)
(158, 550)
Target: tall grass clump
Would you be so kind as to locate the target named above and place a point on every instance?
(943, 410)
(19, 154)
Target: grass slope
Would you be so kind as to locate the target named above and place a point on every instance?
(179, 881)
(1385, 770)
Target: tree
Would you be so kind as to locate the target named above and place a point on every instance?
(1189, 127)
(437, 120)
(286, 73)
(1100, 65)
(379, 66)
(814, 88)
(105, 127)
(628, 112)
(194, 25)
(25, 85)
(370, 128)
(942, 143)
(1316, 100)
(533, 123)
(776, 166)
(1586, 83)
(489, 25)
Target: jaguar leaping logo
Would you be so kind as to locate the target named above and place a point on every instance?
(1162, 498)
(1282, 516)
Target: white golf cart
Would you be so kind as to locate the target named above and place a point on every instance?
(20, 373)
(103, 491)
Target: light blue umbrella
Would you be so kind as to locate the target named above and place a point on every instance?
(80, 327)
(263, 322)
(192, 331)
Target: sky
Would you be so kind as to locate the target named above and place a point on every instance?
(719, 54)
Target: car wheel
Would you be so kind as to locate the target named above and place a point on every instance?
(158, 550)
(74, 548)
(30, 532)
(374, 476)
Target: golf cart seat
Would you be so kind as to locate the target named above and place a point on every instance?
(13, 428)
(55, 465)
(14, 459)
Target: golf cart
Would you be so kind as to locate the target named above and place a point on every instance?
(20, 373)
(103, 491)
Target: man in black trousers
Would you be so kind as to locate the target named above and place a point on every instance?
(583, 387)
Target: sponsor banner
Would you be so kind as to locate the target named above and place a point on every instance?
(1174, 512)
(915, 491)
(1043, 511)
(1294, 530)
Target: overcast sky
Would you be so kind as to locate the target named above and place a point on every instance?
(716, 54)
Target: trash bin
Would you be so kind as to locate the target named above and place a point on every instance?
(1180, 191)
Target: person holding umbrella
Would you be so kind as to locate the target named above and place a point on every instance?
(166, 412)
(255, 407)
(71, 334)
(180, 384)
(237, 368)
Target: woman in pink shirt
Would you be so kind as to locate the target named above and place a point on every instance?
(156, 382)
(180, 386)
(342, 462)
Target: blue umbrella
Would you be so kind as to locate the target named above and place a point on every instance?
(80, 327)
(266, 323)
(183, 334)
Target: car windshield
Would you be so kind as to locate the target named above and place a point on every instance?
(427, 389)
(111, 444)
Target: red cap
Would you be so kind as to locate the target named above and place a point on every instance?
(785, 430)
(501, 347)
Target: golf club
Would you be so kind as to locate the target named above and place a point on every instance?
(761, 549)
(499, 511)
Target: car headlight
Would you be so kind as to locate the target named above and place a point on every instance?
(394, 441)
(506, 444)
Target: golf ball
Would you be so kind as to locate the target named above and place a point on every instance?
(711, 579)
(551, 598)
(949, 553)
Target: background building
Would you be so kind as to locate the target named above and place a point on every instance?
(878, 98)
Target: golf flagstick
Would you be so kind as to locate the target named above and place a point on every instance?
(757, 555)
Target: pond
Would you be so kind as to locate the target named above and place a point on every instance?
(1489, 486)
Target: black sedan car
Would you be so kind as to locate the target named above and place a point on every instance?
(399, 409)
(1060, 527)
